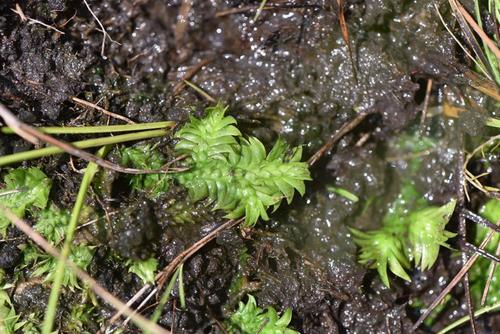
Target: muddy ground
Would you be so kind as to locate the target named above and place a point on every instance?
(290, 74)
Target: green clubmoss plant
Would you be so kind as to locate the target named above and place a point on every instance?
(411, 231)
(236, 173)
(250, 319)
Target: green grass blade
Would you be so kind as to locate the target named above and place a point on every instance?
(82, 144)
(97, 129)
(182, 295)
(165, 297)
(463, 320)
(493, 122)
(50, 313)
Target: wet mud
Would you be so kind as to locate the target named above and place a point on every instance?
(289, 73)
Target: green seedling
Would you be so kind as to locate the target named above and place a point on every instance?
(146, 157)
(146, 270)
(44, 265)
(344, 193)
(235, 173)
(24, 190)
(411, 231)
(426, 234)
(381, 248)
(9, 320)
(250, 319)
(51, 224)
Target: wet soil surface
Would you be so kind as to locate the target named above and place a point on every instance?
(290, 74)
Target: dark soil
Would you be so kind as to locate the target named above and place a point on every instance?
(287, 74)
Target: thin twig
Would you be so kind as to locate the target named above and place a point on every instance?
(344, 129)
(104, 111)
(492, 269)
(453, 283)
(480, 220)
(462, 231)
(162, 276)
(345, 36)
(34, 136)
(104, 32)
(189, 74)
(428, 90)
(482, 252)
(30, 20)
(477, 29)
(82, 275)
(182, 21)
(200, 91)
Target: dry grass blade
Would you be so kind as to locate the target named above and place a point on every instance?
(259, 10)
(453, 283)
(346, 128)
(104, 111)
(269, 6)
(491, 272)
(25, 18)
(34, 136)
(345, 36)
(468, 34)
(189, 74)
(164, 275)
(99, 290)
(200, 91)
(460, 44)
(428, 90)
(476, 28)
(103, 30)
(471, 178)
(483, 85)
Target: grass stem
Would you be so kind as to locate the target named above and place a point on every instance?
(50, 312)
(97, 129)
(463, 320)
(82, 144)
(165, 297)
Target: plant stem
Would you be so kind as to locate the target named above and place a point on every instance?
(94, 142)
(463, 320)
(165, 297)
(50, 313)
(260, 9)
(98, 128)
(182, 295)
